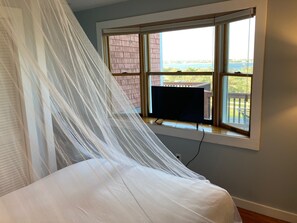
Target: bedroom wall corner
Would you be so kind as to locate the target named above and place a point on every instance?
(268, 176)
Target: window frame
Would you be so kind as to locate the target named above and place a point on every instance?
(127, 74)
(181, 73)
(253, 140)
(221, 123)
(225, 73)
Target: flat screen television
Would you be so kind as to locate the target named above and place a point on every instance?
(178, 103)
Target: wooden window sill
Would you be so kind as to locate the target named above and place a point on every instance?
(213, 134)
(192, 126)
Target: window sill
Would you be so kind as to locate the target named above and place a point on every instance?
(213, 134)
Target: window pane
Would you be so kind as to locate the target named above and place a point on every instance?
(155, 52)
(241, 46)
(183, 50)
(131, 87)
(237, 101)
(202, 81)
(124, 53)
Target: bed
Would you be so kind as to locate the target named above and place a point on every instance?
(85, 193)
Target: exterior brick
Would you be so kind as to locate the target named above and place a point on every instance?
(124, 57)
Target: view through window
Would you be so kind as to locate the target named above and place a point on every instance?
(237, 82)
(188, 58)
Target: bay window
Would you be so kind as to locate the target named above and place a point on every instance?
(221, 52)
(185, 57)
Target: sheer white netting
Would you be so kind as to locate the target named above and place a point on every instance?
(66, 108)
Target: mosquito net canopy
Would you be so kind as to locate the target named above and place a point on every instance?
(59, 105)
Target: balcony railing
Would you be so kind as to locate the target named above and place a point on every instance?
(238, 104)
(238, 108)
(237, 112)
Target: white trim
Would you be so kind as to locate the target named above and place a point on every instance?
(259, 54)
(33, 143)
(244, 14)
(253, 142)
(232, 5)
(266, 210)
(44, 92)
(28, 111)
(177, 25)
(221, 139)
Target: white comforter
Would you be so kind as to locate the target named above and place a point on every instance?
(87, 193)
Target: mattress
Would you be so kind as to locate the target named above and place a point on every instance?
(99, 191)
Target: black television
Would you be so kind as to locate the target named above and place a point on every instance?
(178, 103)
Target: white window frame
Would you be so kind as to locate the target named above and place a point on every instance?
(253, 141)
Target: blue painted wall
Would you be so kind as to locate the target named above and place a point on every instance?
(88, 18)
(269, 176)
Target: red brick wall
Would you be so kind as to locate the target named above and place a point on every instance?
(131, 87)
(155, 57)
(155, 52)
(124, 53)
(124, 57)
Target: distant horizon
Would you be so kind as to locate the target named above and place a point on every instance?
(242, 65)
(199, 43)
(203, 61)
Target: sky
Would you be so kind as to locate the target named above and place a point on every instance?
(198, 44)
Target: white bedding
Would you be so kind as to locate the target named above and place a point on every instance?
(85, 194)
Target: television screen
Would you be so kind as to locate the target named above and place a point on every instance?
(178, 103)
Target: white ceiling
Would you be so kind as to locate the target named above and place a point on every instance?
(77, 5)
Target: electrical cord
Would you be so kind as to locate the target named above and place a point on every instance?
(199, 148)
(158, 123)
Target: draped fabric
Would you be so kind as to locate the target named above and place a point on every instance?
(72, 109)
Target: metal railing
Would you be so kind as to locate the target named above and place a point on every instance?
(238, 108)
(238, 104)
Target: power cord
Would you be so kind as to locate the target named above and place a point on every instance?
(199, 148)
(158, 123)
